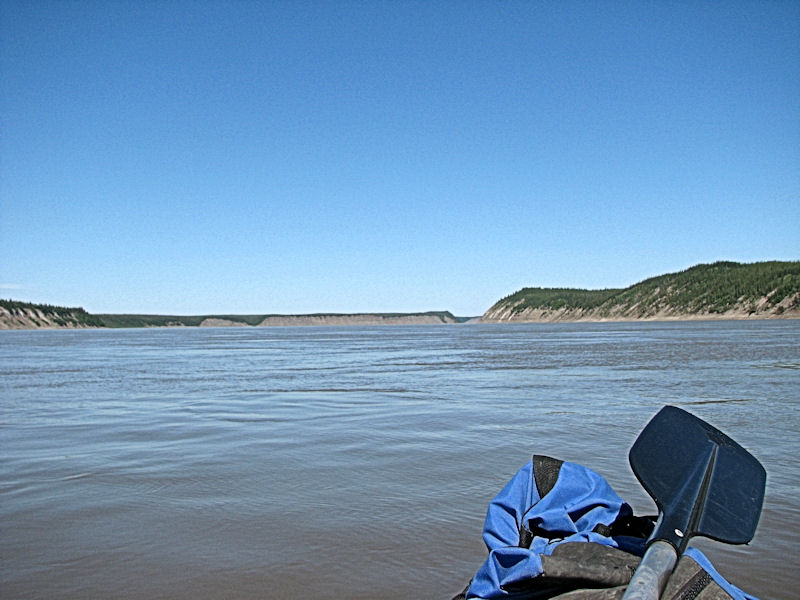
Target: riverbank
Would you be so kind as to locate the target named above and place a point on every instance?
(539, 315)
(721, 290)
(29, 316)
(718, 291)
(44, 317)
(29, 319)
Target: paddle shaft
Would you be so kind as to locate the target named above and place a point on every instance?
(653, 572)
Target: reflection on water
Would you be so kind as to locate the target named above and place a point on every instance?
(352, 462)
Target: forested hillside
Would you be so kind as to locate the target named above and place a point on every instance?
(721, 289)
(25, 315)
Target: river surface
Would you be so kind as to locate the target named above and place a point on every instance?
(353, 462)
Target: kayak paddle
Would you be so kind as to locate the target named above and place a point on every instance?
(703, 483)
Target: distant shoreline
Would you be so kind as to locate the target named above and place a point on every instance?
(30, 316)
(40, 322)
(722, 290)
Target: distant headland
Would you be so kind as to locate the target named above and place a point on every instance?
(721, 290)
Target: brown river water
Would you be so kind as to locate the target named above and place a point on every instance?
(353, 462)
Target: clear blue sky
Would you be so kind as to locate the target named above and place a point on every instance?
(293, 157)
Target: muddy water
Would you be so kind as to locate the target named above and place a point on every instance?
(352, 462)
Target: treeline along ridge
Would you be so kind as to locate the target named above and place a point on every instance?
(707, 289)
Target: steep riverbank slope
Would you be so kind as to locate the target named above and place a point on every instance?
(436, 318)
(320, 319)
(722, 290)
(24, 315)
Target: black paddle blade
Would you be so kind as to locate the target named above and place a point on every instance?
(703, 482)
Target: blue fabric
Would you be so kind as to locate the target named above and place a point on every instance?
(579, 501)
(732, 590)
